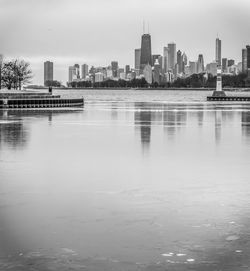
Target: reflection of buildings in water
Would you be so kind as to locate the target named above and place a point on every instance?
(12, 131)
(200, 115)
(174, 117)
(143, 120)
(114, 111)
(245, 123)
(218, 125)
(13, 134)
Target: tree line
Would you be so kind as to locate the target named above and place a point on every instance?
(201, 80)
(14, 74)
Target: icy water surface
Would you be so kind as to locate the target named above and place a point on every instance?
(136, 180)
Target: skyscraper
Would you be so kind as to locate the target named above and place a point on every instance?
(114, 66)
(193, 67)
(218, 51)
(244, 60)
(224, 65)
(85, 71)
(77, 68)
(1, 62)
(137, 61)
(127, 69)
(248, 60)
(48, 71)
(180, 63)
(156, 74)
(184, 57)
(145, 51)
(200, 64)
(147, 72)
(171, 56)
(165, 59)
(72, 73)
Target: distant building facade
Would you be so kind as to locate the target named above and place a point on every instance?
(156, 74)
(147, 73)
(165, 59)
(224, 65)
(172, 56)
(244, 60)
(146, 55)
(114, 66)
(218, 51)
(200, 64)
(212, 68)
(99, 77)
(192, 67)
(48, 71)
(248, 60)
(85, 71)
(127, 69)
(180, 64)
(230, 62)
(137, 61)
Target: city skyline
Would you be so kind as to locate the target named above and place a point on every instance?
(65, 46)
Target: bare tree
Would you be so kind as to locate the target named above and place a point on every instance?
(15, 73)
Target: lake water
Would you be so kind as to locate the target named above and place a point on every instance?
(135, 180)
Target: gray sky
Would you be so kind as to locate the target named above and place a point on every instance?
(99, 31)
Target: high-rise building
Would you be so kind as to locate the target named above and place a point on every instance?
(200, 64)
(127, 69)
(248, 60)
(224, 65)
(147, 73)
(230, 62)
(193, 67)
(77, 68)
(156, 74)
(184, 57)
(48, 71)
(165, 59)
(160, 59)
(180, 64)
(172, 56)
(114, 66)
(137, 61)
(72, 73)
(218, 51)
(244, 60)
(145, 51)
(85, 71)
(98, 77)
(1, 62)
(212, 68)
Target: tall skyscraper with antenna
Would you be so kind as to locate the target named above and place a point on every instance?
(146, 54)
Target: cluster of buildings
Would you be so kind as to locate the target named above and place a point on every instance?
(156, 68)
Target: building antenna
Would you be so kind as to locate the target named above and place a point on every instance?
(143, 27)
(148, 27)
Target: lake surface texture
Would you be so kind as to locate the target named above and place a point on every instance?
(135, 180)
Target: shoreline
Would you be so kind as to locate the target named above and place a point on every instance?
(138, 89)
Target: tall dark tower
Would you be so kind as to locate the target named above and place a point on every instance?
(248, 60)
(247, 80)
(146, 57)
(218, 51)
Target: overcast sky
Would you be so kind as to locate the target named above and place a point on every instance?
(99, 31)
